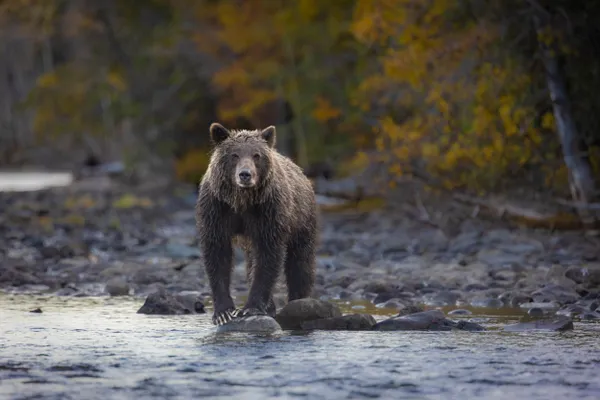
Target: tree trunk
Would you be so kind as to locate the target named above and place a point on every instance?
(581, 177)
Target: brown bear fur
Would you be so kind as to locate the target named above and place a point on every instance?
(274, 220)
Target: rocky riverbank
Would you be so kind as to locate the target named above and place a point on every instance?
(97, 238)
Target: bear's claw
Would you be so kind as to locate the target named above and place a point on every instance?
(247, 312)
(223, 317)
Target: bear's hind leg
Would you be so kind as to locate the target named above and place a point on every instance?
(300, 266)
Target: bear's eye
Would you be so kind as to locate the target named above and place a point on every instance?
(235, 156)
(256, 157)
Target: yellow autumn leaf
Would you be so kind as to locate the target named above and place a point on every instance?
(325, 111)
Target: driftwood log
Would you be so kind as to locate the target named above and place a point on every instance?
(553, 215)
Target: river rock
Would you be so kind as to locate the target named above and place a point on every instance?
(350, 322)
(536, 312)
(460, 311)
(590, 316)
(296, 312)
(14, 276)
(588, 275)
(558, 325)
(164, 303)
(394, 304)
(470, 326)
(571, 310)
(441, 299)
(432, 320)
(409, 309)
(557, 293)
(421, 321)
(253, 323)
(117, 287)
(496, 258)
(515, 298)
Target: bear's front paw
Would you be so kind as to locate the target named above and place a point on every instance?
(247, 312)
(223, 317)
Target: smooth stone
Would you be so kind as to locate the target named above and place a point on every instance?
(474, 287)
(409, 309)
(395, 304)
(164, 303)
(432, 320)
(15, 277)
(422, 321)
(571, 310)
(117, 287)
(253, 323)
(296, 312)
(556, 325)
(470, 326)
(460, 311)
(384, 297)
(589, 316)
(498, 258)
(515, 298)
(536, 312)
(505, 275)
(351, 322)
(556, 293)
(589, 275)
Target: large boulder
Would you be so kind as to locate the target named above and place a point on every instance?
(164, 303)
(351, 322)
(297, 312)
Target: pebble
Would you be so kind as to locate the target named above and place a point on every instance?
(535, 312)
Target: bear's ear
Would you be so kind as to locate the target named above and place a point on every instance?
(218, 133)
(269, 135)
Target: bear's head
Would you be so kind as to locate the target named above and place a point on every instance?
(242, 158)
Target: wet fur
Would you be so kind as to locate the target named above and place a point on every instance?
(275, 222)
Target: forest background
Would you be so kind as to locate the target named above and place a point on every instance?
(476, 98)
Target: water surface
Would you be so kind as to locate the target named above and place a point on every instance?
(99, 348)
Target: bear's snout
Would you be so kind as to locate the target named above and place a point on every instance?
(245, 174)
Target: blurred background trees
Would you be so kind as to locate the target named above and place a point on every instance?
(459, 93)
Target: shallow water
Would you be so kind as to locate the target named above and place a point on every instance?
(99, 348)
(24, 181)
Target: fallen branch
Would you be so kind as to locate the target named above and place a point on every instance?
(532, 215)
(578, 205)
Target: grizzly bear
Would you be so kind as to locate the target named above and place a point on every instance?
(254, 197)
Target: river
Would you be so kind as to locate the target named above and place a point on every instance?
(99, 348)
